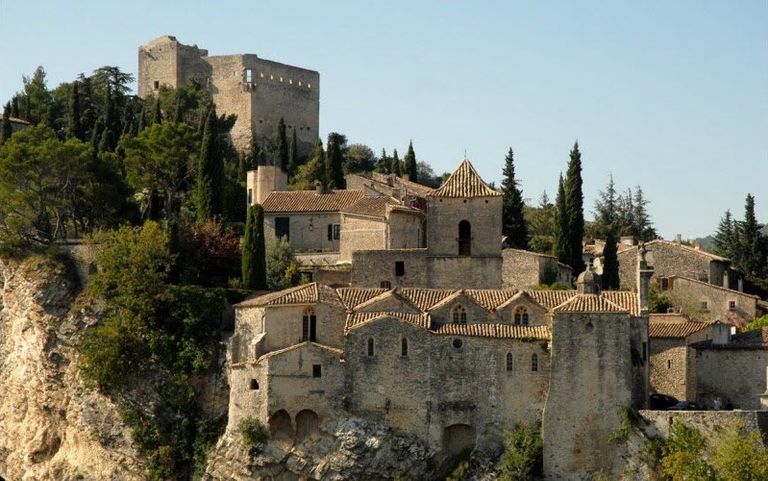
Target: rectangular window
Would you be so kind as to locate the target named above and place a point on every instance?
(645, 351)
(334, 232)
(731, 305)
(157, 85)
(386, 285)
(317, 370)
(669, 363)
(283, 227)
(250, 196)
(664, 284)
(249, 75)
(704, 306)
(399, 268)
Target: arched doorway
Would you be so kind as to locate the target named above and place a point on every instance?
(307, 424)
(280, 425)
(458, 438)
(465, 238)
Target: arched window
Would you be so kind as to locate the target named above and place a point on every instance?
(371, 351)
(309, 325)
(254, 384)
(459, 315)
(521, 315)
(534, 362)
(404, 347)
(509, 361)
(465, 238)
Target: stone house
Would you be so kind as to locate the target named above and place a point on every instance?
(675, 259)
(463, 241)
(259, 91)
(410, 193)
(732, 367)
(455, 367)
(521, 268)
(703, 301)
(672, 367)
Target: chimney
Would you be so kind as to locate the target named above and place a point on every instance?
(319, 188)
(726, 279)
(644, 274)
(721, 333)
(741, 284)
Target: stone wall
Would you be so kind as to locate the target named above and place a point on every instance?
(444, 215)
(464, 272)
(362, 233)
(707, 422)
(671, 367)
(371, 268)
(405, 230)
(735, 375)
(591, 380)
(671, 259)
(691, 295)
(308, 232)
(522, 269)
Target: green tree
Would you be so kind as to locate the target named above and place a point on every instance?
(643, 226)
(157, 113)
(313, 170)
(282, 268)
(409, 164)
(607, 210)
(384, 164)
(574, 206)
(254, 251)
(683, 455)
(523, 458)
(293, 154)
(74, 124)
(336, 149)
(210, 171)
(281, 146)
(513, 223)
(610, 275)
(562, 245)
(395, 166)
(360, 159)
(752, 258)
(740, 454)
(157, 163)
(6, 129)
(37, 96)
(757, 324)
(725, 239)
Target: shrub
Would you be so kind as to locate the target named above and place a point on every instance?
(523, 459)
(210, 253)
(739, 455)
(253, 433)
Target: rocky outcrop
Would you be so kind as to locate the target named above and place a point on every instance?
(51, 426)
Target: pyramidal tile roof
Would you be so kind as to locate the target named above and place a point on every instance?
(464, 182)
(624, 299)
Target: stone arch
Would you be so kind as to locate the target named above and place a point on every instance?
(458, 438)
(307, 424)
(280, 425)
(465, 238)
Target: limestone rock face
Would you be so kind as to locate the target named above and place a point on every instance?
(51, 426)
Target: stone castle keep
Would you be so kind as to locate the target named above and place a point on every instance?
(427, 341)
(257, 90)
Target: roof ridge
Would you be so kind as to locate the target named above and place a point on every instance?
(464, 182)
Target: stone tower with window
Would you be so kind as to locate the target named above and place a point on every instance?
(258, 91)
(464, 230)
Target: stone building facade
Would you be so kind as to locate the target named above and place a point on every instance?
(258, 91)
(521, 268)
(702, 301)
(672, 367)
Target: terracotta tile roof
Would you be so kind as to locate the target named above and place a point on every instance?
(668, 317)
(675, 330)
(757, 339)
(550, 298)
(711, 286)
(354, 296)
(371, 205)
(627, 300)
(414, 187)
(504, 331)
(303, 294)
(425, 299)
(589, 303)
(490, 299)
(310, 201)
(464, 182)
(329, 349)
(387, 294)
(356, 319)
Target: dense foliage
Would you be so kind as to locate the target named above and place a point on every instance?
(523, 458)
(513, 224)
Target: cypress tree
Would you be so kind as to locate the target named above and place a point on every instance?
(142, 123)
(254, 265)
(410, 163)
(281, 146)
(293, 153)
(334, 161)
(15, 107)
(27, 108)
(574, 206)
(210, 171)
(751, 242)
(383, 164)
(395, 166)
(562, 247)
(513, 223)
(610, 261)
(6, 129)
(157, 114)
(75, 126)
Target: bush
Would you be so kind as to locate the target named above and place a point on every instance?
(282, 268)
(523, 459)
(209, 253)
(740, 455)
(253, 432)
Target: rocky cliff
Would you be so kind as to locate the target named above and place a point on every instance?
(51, 426)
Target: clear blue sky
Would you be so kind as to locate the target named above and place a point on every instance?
(672, 96)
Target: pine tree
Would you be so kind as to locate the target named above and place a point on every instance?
(334, 160)
(610, 261)
(395, 166)
(513, 223)
(751, 243)
(724, 240)
(281, 146)
(409, 163)
(15, 107)
(642, 221)
(254, 264)
(293, 153)
(562, 246)
(210, 171)
(6, 129)
(607, 210)
(574, 205)
(383, 164)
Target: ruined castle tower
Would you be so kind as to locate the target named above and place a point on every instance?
(258, 91)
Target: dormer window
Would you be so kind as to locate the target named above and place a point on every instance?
(459, 315)
(521, 316)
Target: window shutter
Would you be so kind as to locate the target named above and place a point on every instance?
(330, 232)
